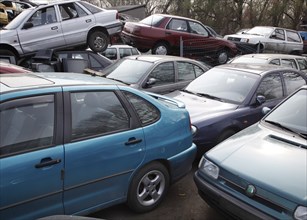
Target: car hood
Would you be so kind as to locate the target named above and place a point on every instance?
(201, 108)
(269, 159)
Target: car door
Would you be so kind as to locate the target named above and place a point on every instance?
(45, 33)
(161, 78)
(75, 23)
(276, 41)
(31, 157)
(104, 146)
(294, 42)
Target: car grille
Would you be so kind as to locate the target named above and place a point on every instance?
(234, 39)
(240, 187)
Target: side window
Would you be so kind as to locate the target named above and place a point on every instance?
(289, 63)
(110, 53)
(198, 71)
(135, 51)
(124, 52)
(164, 73)
(97, 113)
(271, 87)
(26, 124)
(293, 81)
(278, 34)
(178, 25)
(147, 112)
(302, 63)
(43, 16)
(71, 10)
(185, 71)
(197, 28)
(275, 62)
(293, 36)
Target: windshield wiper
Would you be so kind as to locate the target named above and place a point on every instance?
(210, 96)
(286, 128)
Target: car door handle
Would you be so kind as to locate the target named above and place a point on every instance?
(133, 141)
(88, 20)
(168, 33)
(54, 28)
(46, 162)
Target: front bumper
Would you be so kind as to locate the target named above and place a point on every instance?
(226, 203)
(246, 48)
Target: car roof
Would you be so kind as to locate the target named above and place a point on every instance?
(259, 69)
(9, 82)
(267, 56)
(156, 58)
(176, 16)
(120, 45)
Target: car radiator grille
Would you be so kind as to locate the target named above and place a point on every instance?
(258, 198)
(234, 39)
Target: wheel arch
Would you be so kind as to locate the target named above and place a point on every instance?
(10, 48)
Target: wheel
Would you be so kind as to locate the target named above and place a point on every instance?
(161, 49)
(148, 187)
(226, 134)
(98, 41)
(222, 56)
(7, 52)
(142, 50)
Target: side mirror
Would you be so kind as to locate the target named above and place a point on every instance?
(27, 25)
(265, 110)
(151, 81)
(260, 99)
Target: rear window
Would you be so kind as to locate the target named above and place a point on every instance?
(153, 20)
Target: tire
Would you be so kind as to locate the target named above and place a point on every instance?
(161, 49)
(148, 187)
(226, 134)
(98, 41)
(142, 50)
(222, 56)
(7, 52)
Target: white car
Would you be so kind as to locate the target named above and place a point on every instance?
(118, 51)
(269, 40)
(59, 25)
(287, 60)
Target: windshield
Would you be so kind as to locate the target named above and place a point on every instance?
(228, 85)
(23, 16)
(260, 31)
(127, 70)
(292, 114)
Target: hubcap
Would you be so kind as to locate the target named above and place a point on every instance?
(222, 58)
(151, 188)
(99, 42)
(161, 50)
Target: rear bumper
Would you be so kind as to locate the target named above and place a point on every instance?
(137, 42)
(226, 203)
(181, 163)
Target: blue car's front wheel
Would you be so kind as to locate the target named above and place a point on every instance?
(148, 187)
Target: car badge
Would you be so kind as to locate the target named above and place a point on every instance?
(250, 190)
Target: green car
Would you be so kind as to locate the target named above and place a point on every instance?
(261, 172)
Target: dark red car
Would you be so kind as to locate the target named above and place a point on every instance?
(164, 34)
(12, 68)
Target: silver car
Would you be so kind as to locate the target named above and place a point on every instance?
(268, 39)
(59, 25)
(287, 60)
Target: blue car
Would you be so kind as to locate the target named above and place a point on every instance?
(74, 143)
(230, 97)
(261, 172)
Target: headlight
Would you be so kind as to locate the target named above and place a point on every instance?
(209, 168)
(300, 213)
(244, 40)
